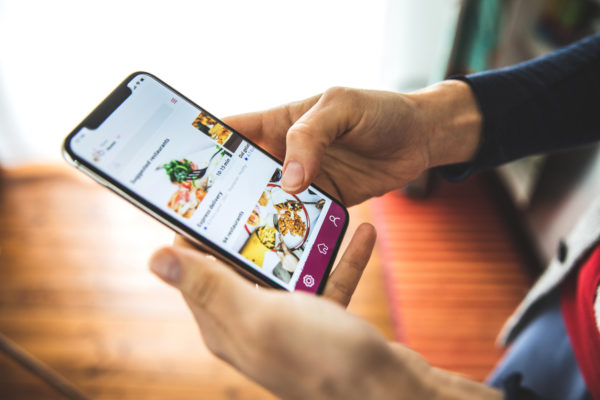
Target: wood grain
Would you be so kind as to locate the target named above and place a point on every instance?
(76, 293)
(455, 271)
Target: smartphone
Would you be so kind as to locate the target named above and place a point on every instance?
(209, 183)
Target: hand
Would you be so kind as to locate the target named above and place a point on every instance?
(296, 345)
(357, 144)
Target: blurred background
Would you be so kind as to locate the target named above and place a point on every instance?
(81, 317)
(59, 59)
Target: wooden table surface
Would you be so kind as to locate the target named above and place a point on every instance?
(76, 293)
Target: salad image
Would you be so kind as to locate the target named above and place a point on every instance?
(192, 182)
(182, 171)
(190, 191)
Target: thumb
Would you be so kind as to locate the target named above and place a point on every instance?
(211, 286)
(310, 136)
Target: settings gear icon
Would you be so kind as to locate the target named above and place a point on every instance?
(308, 280)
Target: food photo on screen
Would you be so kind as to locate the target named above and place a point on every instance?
(217, 131)
(278, 228)
(193, 176)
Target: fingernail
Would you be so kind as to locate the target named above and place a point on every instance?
(293, 176)
(166, 266)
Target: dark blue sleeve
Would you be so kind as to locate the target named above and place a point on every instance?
(547, 104)
(513, 390)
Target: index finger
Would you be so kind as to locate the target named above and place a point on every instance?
(260, 128)
(269, 128)
(249, 124)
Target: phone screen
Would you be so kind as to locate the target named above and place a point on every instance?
(209, 181)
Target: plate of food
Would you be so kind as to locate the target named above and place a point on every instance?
(192, 178)
(190, 192)
(278, 211)
(209, 125)
(186, 199)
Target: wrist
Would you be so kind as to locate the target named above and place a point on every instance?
(403, 375)
(416, 378)
(452, 119)
(444, 385)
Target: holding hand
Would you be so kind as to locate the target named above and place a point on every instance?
(301, 346)
(294, 344)
(357, 144)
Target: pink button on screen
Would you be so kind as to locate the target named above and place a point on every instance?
(322, 250)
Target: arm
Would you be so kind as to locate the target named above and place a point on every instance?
(547, 104)
(357, 144)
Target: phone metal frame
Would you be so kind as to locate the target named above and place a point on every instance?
(103, 112)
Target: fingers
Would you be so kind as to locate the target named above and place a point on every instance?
(181, 241)
(302, 130)
(249, 124)
(340, 285)
(308, 138)
(343, 280)
(265, 128)
(219, 298)
(212, 287)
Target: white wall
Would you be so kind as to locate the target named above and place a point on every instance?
(59, 58)
(418, 41)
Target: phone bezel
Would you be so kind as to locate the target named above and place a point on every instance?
(103, 112)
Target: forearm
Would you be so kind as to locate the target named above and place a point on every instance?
(487, 119)
(544, 105)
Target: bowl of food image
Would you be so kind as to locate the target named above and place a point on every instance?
(284, 213)
(211, 127)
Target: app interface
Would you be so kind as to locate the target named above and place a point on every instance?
(185, 162)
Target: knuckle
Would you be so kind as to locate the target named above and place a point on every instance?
(304, 136)
(336, 92)
(355, 265)
(339, 94)
(214, 345)
(301, 130)
(344, 289)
